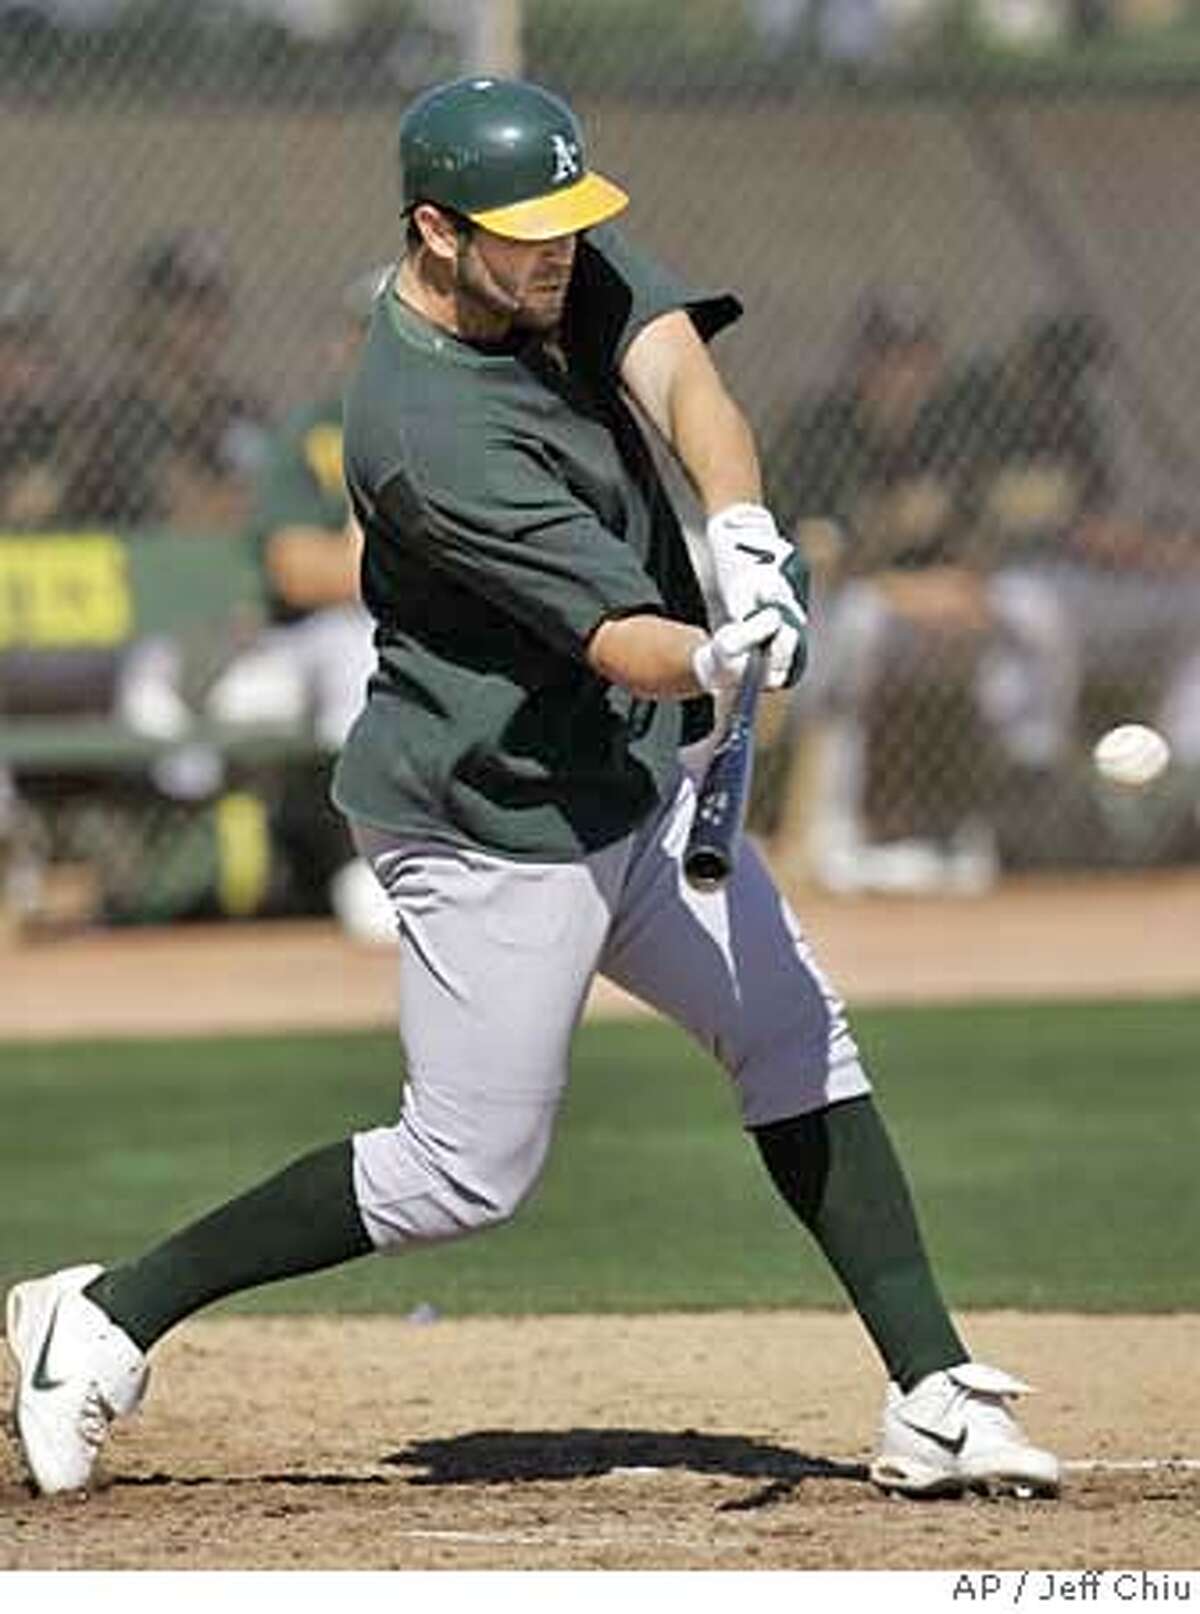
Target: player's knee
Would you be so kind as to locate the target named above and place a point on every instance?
(799, 1031)
(485, 1193)
(429, 1189)
(797, 1065)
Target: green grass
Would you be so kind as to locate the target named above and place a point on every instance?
(1052, 1150)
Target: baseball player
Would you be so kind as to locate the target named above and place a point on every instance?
(515, 778)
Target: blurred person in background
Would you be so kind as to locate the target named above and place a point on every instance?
(35, 404)
(312, 663)
(167, 440)
(1126, 586)
(874, 478)
(170, 439)
(38, 421)
(37, 417)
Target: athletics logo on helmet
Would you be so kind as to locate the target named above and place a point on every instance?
(567, 160)
(508, 155)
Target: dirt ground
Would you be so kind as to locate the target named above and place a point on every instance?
(712, 1441)
(701, 1442)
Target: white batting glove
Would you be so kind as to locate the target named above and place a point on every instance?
(720, 662)
(753, 567)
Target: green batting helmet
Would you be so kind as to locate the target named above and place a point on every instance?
(507, 154)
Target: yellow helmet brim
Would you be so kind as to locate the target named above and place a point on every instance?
(589, 201)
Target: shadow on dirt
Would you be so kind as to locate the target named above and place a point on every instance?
(506, 1457)
(502, 1456)
(220, 1481)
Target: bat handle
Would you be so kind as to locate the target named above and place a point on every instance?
(753, 678)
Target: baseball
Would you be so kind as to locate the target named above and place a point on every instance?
(1131, 754)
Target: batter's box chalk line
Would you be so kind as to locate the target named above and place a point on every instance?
(1077, 1465)
(1133, 1465)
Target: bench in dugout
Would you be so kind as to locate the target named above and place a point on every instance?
(104, 816)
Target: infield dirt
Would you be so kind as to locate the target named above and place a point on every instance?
(713, 1441)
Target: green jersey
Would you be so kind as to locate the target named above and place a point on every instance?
(510, 505)
(302, 484)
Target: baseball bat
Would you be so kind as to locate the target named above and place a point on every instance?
(725, 788)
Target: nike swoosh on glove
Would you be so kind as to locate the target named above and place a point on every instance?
(754, 567)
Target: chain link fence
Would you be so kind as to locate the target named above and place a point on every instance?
(961, 230)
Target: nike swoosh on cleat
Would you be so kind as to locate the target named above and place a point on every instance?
(41, 1379)
(763, 556)
(952, 1444)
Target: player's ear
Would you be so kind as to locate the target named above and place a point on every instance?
(439, 230)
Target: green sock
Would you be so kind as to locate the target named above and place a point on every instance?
(838, 1171)
(301, 1220)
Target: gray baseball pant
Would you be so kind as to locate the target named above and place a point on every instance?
(496, 960)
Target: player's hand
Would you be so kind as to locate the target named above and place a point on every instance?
(755, 567)
(721, 661)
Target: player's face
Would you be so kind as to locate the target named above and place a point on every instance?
(519, 284)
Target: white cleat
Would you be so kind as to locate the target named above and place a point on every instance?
(953, 1432)
(77, 1371)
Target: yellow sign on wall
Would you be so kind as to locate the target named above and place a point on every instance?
(64, 592)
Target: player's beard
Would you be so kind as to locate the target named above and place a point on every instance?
(497, 302)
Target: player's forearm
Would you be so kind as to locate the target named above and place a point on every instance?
(651, 656)
(671, 374)
(714, 443)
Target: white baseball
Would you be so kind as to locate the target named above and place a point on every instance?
(1131, 754)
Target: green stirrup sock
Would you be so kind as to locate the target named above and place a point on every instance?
(301, 1220)
(838, 1171)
